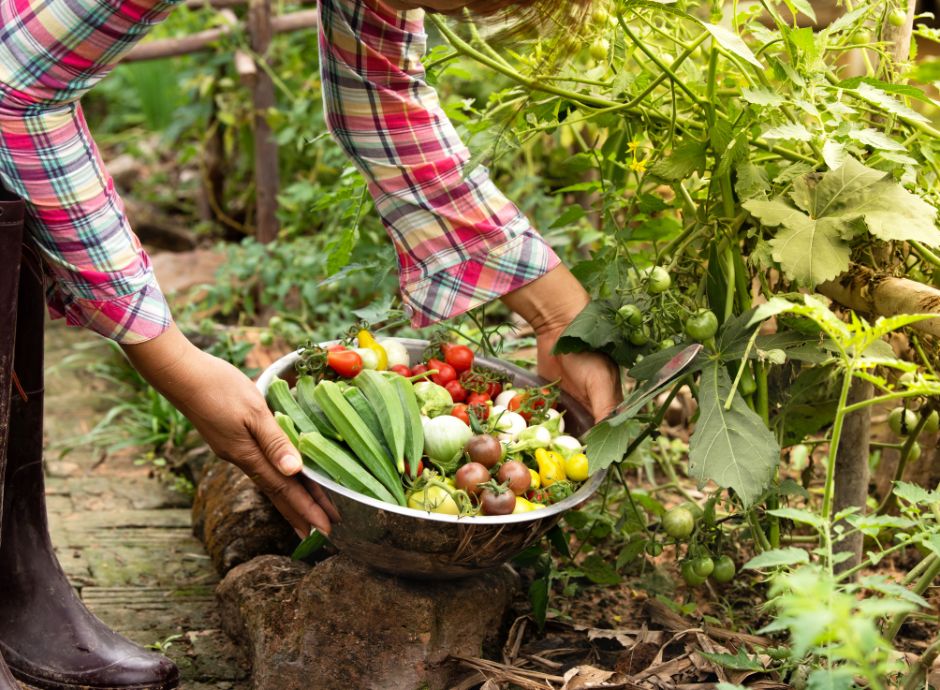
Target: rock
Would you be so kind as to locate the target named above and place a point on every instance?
(340, 625)
(179, 271)
(235, 521)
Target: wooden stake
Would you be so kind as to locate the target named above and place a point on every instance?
(267, 182)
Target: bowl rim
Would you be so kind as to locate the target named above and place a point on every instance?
(583, 493)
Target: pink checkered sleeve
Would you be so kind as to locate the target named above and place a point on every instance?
(460, 242)
(51, 52)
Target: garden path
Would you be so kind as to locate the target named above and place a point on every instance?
(124, 537)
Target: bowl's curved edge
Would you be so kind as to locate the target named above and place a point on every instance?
(285, 363)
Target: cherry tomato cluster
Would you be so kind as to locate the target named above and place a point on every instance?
(690, 523)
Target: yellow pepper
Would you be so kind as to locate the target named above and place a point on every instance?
(536, 480)
(551, 466)
(368, 341)
(523, 505)
(576, 467)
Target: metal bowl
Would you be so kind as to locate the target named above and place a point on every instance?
(431, 546)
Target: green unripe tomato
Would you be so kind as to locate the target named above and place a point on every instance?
(658, 280)
(275, 322)
(914, 455)
(631, 315)
(599, 49)
(600, 16)
(266, 338)
(679, 523)
(724, 570)
(702, 325)
(862, 36)
(689, 575)
(897, 17)
(703, 566)
(933, 423)
(693, 508)
(654, 548)
(639, 337)
(902, 421)
(667, 343)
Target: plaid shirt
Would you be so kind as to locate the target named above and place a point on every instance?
(460, 242)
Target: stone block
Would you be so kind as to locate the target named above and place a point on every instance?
(235, 521)
(340, 625)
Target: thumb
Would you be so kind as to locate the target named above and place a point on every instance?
(275, 445)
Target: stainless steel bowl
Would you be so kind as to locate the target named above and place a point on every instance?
(431, 546)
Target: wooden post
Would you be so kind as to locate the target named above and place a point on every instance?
(267, 182)
(852, 470)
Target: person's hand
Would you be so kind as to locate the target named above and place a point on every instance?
(591, 378)
(549, 304)
(231, 415)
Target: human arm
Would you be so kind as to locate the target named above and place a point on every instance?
(460, 241)
(100, 277)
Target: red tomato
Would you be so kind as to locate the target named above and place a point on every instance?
(418, 369)
(401, 369)
(481, 410)
(346, 363)
(516, 403)
(460, 412)
(457, 392)
(493, 389)
(478, 399)
(408, 468)
(445, 372)
(460, 357)
(336, 347)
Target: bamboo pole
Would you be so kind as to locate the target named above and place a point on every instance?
(204, 40)
(865, 291)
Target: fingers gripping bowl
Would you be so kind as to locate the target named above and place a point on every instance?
(414, 543)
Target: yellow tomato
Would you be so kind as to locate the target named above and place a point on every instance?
(366, 340)
(576, 467)
(551, 466)
(433, 499)
(523, 505)
(536, 481)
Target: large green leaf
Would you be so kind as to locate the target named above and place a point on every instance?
(607, 443)
(732, 447)
(825, 212)
(593, 328)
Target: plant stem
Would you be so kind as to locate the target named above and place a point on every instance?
(922, 584)
(916, 676)
(891, 500)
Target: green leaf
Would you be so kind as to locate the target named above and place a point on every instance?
(879, 97)
(607, 444)
(876, 139)
(777, 557)
(737, 662)
(914, 494)
(762, 97)
(339, 251)
(731, 42)
(789, 132)
(599, 571)
(593, 328)
(559, 541)
(538, 598)
(686, 158)
(730, 447)
(377, 311)
(872, 525)
(797, 515)
(810, 252)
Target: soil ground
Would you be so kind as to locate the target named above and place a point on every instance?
(123, 536)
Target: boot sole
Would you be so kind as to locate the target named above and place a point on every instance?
(44, 684)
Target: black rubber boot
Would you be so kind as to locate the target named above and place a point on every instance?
(11, 244)
(47, 636)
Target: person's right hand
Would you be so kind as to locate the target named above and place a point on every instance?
(231, 415)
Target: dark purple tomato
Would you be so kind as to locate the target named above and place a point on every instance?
(493, 503)
(484, 449)
(470, 476)
(518, 476)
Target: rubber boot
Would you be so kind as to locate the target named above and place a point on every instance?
(11, 244)
(47, 636)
